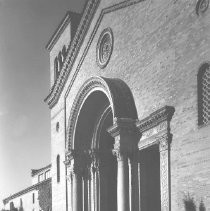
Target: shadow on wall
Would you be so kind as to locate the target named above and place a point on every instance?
(190, 204)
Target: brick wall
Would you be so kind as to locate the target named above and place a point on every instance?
(158, 48)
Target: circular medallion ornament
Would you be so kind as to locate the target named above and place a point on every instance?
(202, 6)
(104, 47)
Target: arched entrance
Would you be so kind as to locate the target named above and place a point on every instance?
(99, 181)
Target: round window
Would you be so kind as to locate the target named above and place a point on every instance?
(104, 47)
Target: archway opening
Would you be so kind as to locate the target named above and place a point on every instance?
(94, 118)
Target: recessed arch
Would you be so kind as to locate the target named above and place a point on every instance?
(115, 92)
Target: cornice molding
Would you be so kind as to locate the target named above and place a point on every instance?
(159, 116)
(36, 171)
(33, 187)
(58, 31)
(89, 12)
(58, 86)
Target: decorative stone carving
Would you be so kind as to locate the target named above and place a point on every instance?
(120, 155)
(202, 6)
(104, 47)
(155, 126)
(164, 141)
(126, 136)
(77, 162)
(155, 129)
(89, 12)
(164, 174)
(95, 160)
(156, 118)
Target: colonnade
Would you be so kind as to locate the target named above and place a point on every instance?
(84, 167)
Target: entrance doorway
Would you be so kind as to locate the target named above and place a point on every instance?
(150, 179)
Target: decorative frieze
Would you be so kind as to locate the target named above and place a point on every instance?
(156, 119)
(155, 129)
(155, 126)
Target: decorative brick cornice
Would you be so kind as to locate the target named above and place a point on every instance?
(163, 114)
(88, 14)
(20, 193)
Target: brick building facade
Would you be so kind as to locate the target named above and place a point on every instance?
(130, 107)
(36, 197)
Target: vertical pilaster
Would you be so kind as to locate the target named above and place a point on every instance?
(164, 149)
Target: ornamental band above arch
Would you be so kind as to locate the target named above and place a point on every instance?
(118, 93)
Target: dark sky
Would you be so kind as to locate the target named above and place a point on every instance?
(25, 28)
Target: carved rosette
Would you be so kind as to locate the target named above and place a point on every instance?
(202, 6)
(104, 47)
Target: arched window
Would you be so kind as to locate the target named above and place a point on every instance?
(58, 167)
(60, 61)
(56, 67)
(33, 198)
(64, 52)
(204, 94)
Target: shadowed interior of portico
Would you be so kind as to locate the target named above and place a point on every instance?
(91, 135)
(150, 179)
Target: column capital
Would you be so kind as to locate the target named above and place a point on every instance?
(123, 125)
(120, 155)
(70, 155)
(126, 135)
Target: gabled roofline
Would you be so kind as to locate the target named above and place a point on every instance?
(26, 190)
(80, 33)
(61, 27)
(36, 171)
(76, 43)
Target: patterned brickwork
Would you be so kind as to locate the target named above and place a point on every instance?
(206, 96)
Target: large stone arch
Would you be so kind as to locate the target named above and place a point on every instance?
(118, 94)
(100, 135)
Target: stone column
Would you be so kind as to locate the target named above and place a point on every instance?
(164, 149)
(69, 190)
(94, 171)
(122, 181)
(77, 192)
(126, 139)
(72, 159)
(134, 182)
